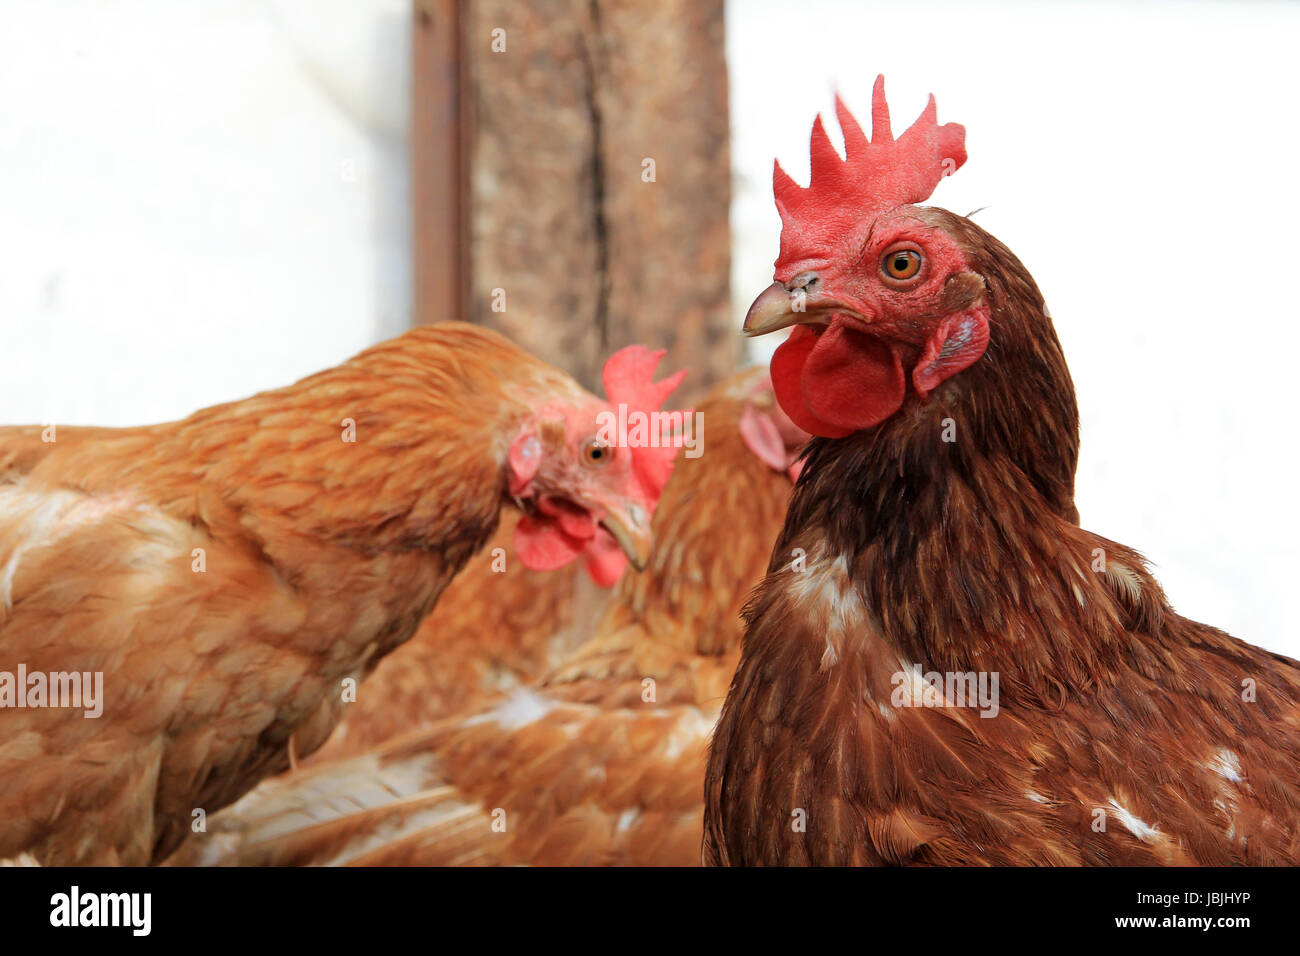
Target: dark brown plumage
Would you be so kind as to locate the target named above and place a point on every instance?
(1125, 734)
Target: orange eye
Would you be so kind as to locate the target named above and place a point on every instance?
(901, 264)
(596, 452)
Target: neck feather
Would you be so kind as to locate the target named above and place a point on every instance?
(955, 518)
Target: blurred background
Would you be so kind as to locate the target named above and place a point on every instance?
(202, 200)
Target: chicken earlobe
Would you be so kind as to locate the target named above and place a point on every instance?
(957, 343)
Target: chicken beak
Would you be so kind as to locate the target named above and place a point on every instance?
(774, 309)
(630, 528)
(803, 301)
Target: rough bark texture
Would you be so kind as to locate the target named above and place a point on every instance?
(590, 256)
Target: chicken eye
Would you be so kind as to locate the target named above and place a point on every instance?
(596, 452)
(901, 263)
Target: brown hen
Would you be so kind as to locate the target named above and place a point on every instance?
(602, 760)
(228, 577)
(955, 672)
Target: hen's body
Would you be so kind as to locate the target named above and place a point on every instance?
(601, 761)
(1125, 734)
(497, 627)
(227, 573)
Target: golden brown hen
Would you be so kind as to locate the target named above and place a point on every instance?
(501, 625)
(211, 588)
(601, 761)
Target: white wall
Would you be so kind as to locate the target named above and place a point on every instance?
(1140, 158)
(198, 200)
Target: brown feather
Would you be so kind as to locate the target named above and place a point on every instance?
(1126, 733)
(321, 556)
(584, 767)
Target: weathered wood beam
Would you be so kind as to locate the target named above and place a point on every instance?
(597, 173)
(438, 162)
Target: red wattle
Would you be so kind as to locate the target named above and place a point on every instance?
(542, 546)
(787, 382)
(839, 381)
(852, 380)
(574, 521)
(605, 560)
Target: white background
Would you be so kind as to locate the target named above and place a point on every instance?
(200, 200)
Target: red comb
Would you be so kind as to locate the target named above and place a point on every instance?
(873, 176)
(628, 377)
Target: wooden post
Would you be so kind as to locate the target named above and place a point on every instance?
(594, 144)
(440, 241)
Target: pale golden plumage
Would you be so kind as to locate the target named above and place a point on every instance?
(228, 572)
(601, 761)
